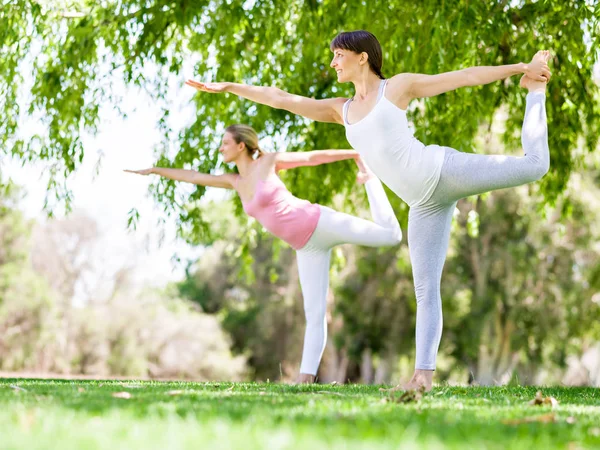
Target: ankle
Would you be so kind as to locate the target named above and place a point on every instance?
(305, 378)
(424, 377)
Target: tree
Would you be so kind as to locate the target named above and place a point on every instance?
(82, 48)
(28, 314)
(110, 333)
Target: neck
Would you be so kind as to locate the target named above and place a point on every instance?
(366, 84)
(244, 164)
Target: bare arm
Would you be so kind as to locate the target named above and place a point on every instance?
(290, 160)
(420, 85)
(326, 110)
(190, 176)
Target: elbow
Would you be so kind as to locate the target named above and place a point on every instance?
(469, 77)
(313, 160)
(278, 99)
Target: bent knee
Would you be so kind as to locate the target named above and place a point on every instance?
(539, 170)
(395, 237)
(398, 236)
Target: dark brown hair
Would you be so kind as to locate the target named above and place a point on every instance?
(247, 135)
(361, 41)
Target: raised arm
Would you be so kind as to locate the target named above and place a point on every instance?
(190, 176)
(413, 85)
(326, 110)
(290, 160)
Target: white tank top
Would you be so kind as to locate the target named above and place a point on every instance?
(388, 146)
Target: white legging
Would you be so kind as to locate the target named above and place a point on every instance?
(464, 174)
(336, 228)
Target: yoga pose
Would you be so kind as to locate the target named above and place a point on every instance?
(430, 179)
(311, 229)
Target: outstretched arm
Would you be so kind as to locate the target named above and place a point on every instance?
(290, 160)
(190, 176)
(420, 85)
(326, 110)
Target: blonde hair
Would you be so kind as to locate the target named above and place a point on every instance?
(247, 135)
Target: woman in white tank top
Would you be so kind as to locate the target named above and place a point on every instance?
(430, 179)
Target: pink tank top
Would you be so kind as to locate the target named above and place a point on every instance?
(289, 218)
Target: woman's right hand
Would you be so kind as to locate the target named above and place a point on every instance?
(213, 88)
(141, 172)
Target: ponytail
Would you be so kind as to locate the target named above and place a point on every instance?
(257, 153)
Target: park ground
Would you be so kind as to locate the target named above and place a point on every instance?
(97, 414)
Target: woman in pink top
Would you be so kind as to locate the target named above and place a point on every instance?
(312, 230)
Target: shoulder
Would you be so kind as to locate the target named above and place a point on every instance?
(399, 89)
(267, 162)
(268, 158)
(400, 82)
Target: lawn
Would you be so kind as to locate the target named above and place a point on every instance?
(61, 414)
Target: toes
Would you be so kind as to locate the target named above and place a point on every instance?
(546, 55)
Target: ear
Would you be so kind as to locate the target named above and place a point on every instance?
(364, 58)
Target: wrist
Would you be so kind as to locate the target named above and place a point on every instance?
(228, 86)
(522, 67)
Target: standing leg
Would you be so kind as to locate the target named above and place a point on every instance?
(313, 269)
(428, 238)
(332, 229)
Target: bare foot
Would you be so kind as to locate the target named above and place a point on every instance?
(533, 85)
(305, 378)
(364, 173)
(421, 379)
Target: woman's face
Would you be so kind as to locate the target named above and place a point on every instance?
(346, 64)
(230, 149)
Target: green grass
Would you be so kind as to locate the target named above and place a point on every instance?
(58, 414)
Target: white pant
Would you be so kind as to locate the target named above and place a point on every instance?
(336, 228)
(429, 223)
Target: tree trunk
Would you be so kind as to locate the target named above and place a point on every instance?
(366, 366)
(385, 368)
